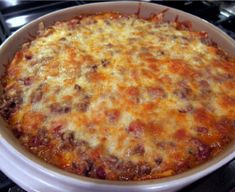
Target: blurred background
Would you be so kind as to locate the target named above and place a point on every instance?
(16, 13)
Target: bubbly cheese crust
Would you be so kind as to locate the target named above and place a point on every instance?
(121, 98)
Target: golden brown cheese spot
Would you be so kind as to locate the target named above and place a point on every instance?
(148, 73)
(32, 121)
(227, 101)
(95, 77)
(226, 66)
(120, 97)
(181, 68)
(112, 115)
(229, 85)
(180, 134)
(204, 117)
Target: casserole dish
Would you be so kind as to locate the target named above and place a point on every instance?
(49, 177)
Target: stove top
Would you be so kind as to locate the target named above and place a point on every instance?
(16, 13)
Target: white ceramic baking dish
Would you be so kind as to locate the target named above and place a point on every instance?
(33, 174)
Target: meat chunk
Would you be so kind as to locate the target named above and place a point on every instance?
(226, 139)
(159, 160)
(205, 40)
(203, 151)
(28, 81)
(84, 104)
(138, 150)
(67, 136)
(94, 67)
(28, 57)
(77, 87)
(233, 124)
(73, 23)
(36, 96)
(181, 166)
(82, 107)
(105, 62)
(133, 91)
(184, 25)
(100, 172)
(202, 130)
(83, 167)
(40, 139)
(166, 145)
(224, 125)
(69, 142)
(186, 109)
(10, 105)
(112, 115)
(56, 127)
(111, 160)
(144, 169)
(59, 108)
(128, 170)
(204, 84)
(183, 91)
(136, 128)
(204, 87)
(17, 132)
(156, 92)
(222, 54)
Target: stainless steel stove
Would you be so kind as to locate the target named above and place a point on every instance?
(16, 13)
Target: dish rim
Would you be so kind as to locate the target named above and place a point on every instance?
(197, 172)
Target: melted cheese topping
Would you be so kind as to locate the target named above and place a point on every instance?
(135, 89)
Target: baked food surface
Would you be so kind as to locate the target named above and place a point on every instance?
(120, 97)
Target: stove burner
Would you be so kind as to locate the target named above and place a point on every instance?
(14, 14)
(222, 180)
(221, 14)
(5, 183)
